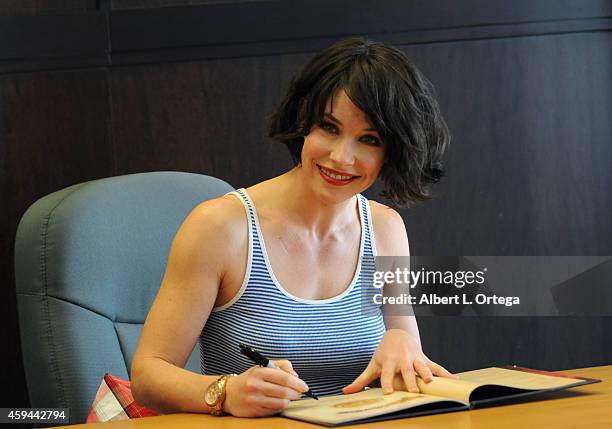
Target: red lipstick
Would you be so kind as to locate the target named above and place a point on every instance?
(335, 177)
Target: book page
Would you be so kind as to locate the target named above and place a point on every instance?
(516, 379)
(446, 387)
(337, 409)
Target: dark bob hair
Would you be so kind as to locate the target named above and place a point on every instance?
(396, 98)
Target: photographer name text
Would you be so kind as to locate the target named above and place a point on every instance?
(434, 299)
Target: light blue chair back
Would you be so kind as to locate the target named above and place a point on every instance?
(89, 260)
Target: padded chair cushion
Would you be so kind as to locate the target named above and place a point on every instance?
(89, 260)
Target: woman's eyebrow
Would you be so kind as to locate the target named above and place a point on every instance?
(332, 117)
(336, 120)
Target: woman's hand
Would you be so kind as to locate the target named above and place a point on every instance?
(398, 352)
(259, 391)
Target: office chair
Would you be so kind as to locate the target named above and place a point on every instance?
(89, 260)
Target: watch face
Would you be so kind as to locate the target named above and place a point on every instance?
(212, 393)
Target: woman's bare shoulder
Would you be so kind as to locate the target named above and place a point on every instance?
(222, 211)
(215, 223)
(385, 219)
(389, 230)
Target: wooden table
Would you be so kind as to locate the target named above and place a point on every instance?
(582, 407)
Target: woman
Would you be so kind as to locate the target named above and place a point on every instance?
(282, 265)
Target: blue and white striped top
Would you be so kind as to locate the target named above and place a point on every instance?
(329, 341)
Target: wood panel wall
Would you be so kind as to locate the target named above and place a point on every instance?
(102, 88)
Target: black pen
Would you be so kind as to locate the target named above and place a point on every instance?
(259, 359)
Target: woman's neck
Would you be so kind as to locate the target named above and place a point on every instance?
(290, 196)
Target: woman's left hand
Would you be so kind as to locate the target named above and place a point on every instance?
(398, 352)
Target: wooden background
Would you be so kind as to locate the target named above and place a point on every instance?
(91, 89)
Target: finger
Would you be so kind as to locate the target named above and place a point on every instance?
(410, 379)
(423, 370)
(278, 391)
(283, 378)
(364, 379)
(386, 378)
(439, 370)
(398, 381)
(266, 412)
(286, 366)
(272, 405)
(257, 412)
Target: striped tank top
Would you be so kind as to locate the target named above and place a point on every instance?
(329, 342)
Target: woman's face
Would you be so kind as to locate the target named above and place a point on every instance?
(342, 156)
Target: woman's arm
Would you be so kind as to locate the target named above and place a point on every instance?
(185, 299)
(399, 352)
(199, 257)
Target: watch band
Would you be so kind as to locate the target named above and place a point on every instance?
(216, 408)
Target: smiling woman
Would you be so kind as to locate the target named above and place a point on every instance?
(343, 149)
(282, 265)
(394, 99)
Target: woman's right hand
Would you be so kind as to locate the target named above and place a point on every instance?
(259, 391)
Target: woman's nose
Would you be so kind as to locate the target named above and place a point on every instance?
(342, 152)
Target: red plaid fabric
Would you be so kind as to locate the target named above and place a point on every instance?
(114, 401)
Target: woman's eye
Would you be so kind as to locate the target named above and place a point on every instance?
(329, 127)
(371, 140)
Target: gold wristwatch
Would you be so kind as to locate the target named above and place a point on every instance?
(215, 395)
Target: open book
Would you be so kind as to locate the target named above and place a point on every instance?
(481, 387)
